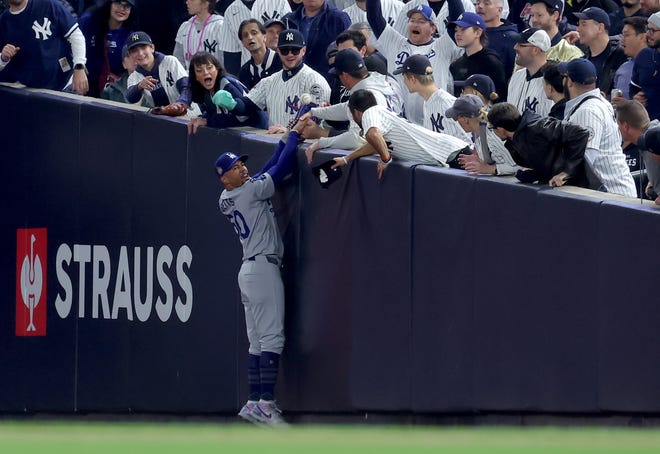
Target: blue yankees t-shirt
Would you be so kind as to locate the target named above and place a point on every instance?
(40, 30)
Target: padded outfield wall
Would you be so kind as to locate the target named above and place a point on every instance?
(430, 291)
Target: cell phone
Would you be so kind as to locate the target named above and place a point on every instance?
(616, 92)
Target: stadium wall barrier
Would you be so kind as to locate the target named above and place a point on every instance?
(428, 291)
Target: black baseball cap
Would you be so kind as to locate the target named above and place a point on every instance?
(580, 70)
(416, 64)
(325, 174)
(650, 141)
(138, 38)
(480, 82)
(347, 61)
(466, 106)
(557, 5)
(273, 22)
(595, 14)
(291, 38)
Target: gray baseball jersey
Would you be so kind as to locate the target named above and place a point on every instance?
(194, 37)
(526, 93)
(391, 10)
(604, 153)
(237, 12)
(408, 140)
(281, 98)
(441, 52)
(435, 118)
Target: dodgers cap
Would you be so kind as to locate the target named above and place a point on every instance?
(424, 10)
(226, 161)
(468, 19)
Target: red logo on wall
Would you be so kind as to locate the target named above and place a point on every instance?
(31, 247)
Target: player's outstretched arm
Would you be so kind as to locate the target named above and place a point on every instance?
(285, 155)
(364, 150)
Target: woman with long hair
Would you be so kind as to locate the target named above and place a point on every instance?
(207, 76)
(106, 27)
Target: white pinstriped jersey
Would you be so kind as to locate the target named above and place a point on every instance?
(170, 71)
(527, 93)
(435, 118)
(410, 141)
(194, 37)
(441, 52)
(281, 98)
(391, 10)
(604, 152)
(237, 12)
(498, 152)
(401, 24)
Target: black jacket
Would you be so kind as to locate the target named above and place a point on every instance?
(615, 58)
(549, 146)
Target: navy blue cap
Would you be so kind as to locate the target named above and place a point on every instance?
(580, 70)
(347, 61)
(137, 38)
(416, 64)
(468, 19)
(273, 22)
(130, 2)
(557, 5)
(480, 82)
(595, 14)
(650, 141)
(226, 161)
(465, 106)
(290, 38)
(424, 10)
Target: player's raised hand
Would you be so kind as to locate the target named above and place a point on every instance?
(8, 52)
(309, 152)
(224, 99)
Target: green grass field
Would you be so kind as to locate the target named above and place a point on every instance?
(165, 438)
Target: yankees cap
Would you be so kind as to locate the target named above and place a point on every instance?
(480, 82)
(535, 37)
(290, 38)
(650, 141)
(557, 5)
(580, 70)
(137, 38)
(226, 161)
(416, 64)
(595, 14)
(347, 61)
(465, 106)
(424, 10)
(468, 19)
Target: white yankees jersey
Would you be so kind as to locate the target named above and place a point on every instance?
(281, 98)
(401, 24)
(194, 36)
(391, 10)
(498, 153)
(249, 209)
(169, 73)
(441, 52)
(410, 141)
(435, 118)
(385, 95)
(237, 12)
(604, 153)
(527, 93)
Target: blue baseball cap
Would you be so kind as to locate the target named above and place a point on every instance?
(465, 106)
(480, 82)
(580, 70)
(650, 141)
(347, 61)
(595, 14)
(226, 161)
(290, 38)
(424, 10)
(468, 19)
(416, 64)
(138, 38)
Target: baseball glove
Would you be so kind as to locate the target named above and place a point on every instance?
(172, 110)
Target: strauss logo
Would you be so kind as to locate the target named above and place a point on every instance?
(31, 282)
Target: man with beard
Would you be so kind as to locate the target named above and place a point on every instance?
(629, 8)
(546, 14)
(645, 82)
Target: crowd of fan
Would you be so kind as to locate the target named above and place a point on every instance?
(552, 93)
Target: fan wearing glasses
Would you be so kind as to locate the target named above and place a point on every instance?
(645, 81)
(280, 94)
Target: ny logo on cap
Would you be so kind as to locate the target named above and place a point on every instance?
(135, 37)
(289, 36)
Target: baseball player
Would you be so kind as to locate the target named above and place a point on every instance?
(358, 11)
(388, 134)
(238, 11)
(526, 88)
(160, 78)
(280, 94)
(587, 108)
(418, 77)
(246, 203)
(201, 33)
(396, 48)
